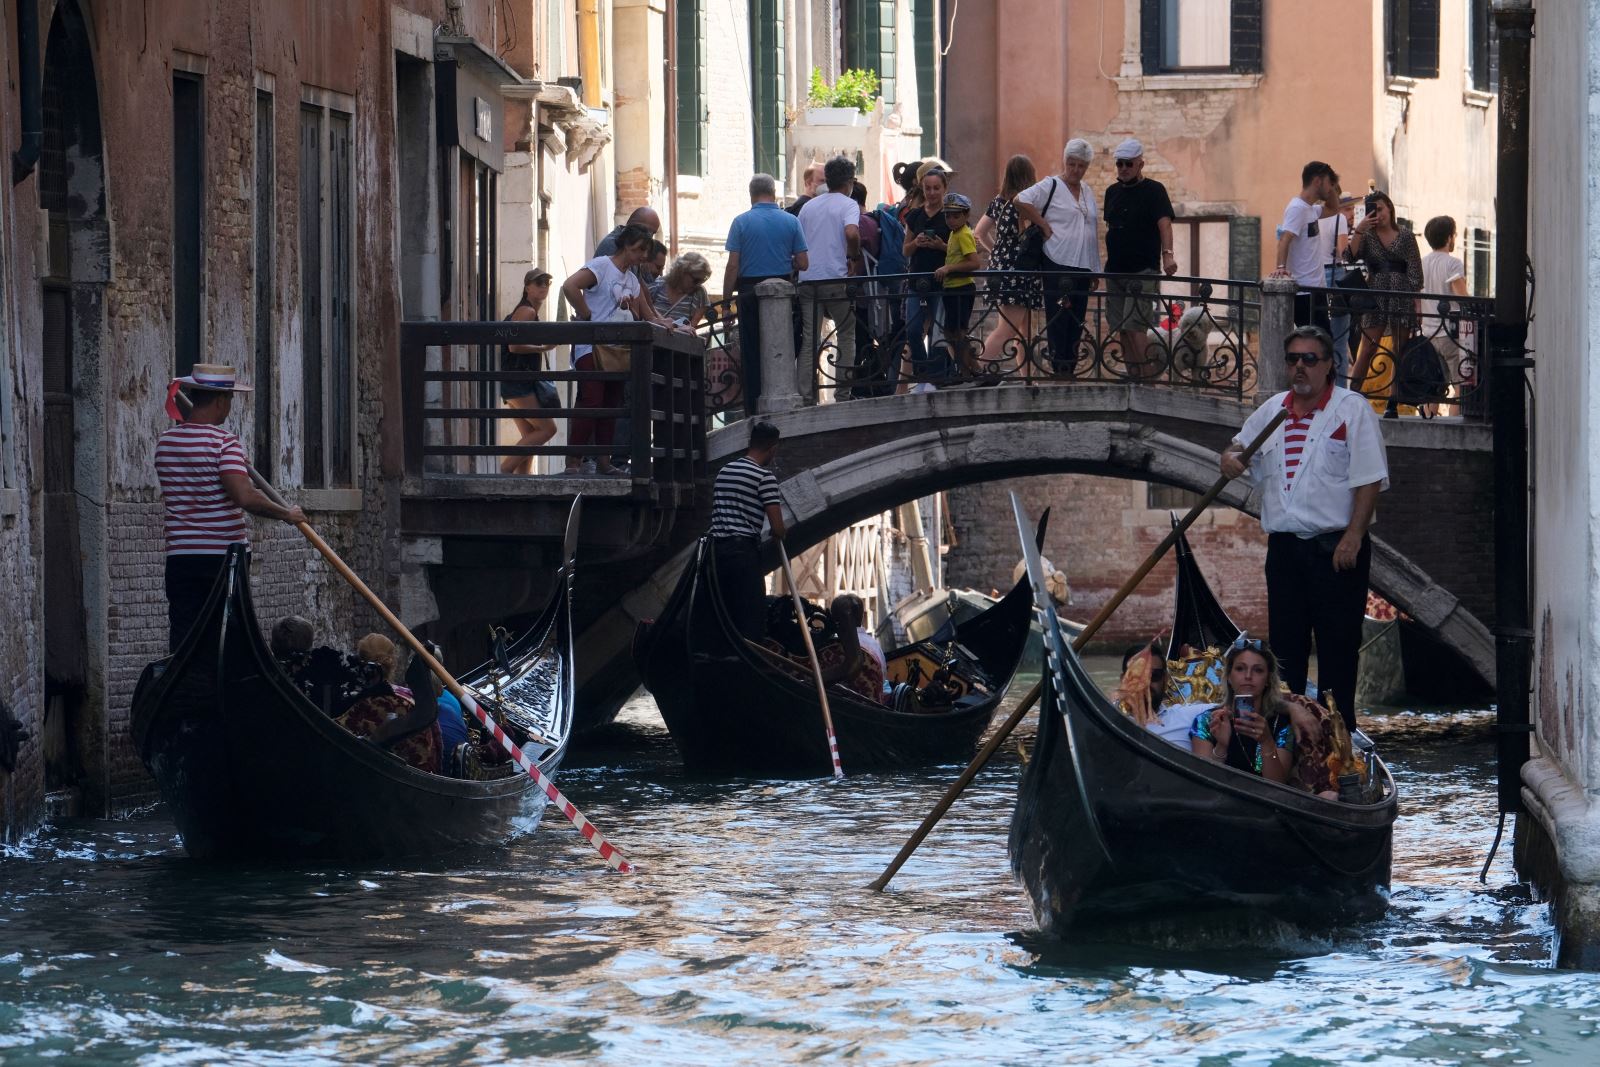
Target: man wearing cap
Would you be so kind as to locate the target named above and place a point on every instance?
(832, 227)
(763, 243)
(206, 488)
(1138, 241)
(1319, 476)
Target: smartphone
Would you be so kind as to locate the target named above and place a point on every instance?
(1244, 704)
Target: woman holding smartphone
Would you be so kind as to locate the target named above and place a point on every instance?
(1251, 729)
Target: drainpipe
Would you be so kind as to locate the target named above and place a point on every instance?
(669, 72)
(589, 50)
(26, 156)
(1508, 362)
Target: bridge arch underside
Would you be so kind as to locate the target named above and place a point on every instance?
(829, 497)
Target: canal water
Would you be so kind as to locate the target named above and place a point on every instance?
(748, 936)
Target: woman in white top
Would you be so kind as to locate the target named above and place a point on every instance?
(597, 291)
(1064, 209)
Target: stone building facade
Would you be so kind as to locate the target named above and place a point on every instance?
(1230, 98)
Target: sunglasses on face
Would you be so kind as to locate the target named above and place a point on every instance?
(1126, 163)
(1310, 359)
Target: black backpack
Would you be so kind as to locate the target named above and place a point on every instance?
(1423, 376)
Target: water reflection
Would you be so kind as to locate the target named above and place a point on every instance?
(749, 934)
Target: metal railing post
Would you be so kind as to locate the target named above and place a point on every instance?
(778, 372)
(1277, 319)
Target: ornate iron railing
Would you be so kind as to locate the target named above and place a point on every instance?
(1028, 327)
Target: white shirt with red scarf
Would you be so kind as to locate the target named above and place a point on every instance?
(1310, 468)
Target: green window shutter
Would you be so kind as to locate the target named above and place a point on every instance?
(1244, 263)
(925, 36)
(869, 41)
(767, 90)
(693, 113)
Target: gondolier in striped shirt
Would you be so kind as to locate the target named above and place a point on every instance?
(1319, 475)
(206, 488)
(745, 496)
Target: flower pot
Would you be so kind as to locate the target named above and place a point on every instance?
(834, 116)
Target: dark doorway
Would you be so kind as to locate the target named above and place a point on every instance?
(72, 194)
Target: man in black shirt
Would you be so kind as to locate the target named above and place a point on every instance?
(810, 184)
(1138, 241)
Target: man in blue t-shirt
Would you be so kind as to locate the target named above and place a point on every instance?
(764, 242)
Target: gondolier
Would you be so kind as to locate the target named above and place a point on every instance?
(206, 488)
(1320, 476)
(745, 495)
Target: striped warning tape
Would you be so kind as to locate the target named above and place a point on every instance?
(607, 850)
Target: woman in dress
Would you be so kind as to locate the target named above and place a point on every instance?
(528, 396)
(597, 291)
(679, 298)
(999, 233)
(1393, 263)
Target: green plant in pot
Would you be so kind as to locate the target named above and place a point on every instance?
(854, 93)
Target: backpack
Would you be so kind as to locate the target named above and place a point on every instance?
(891, 258)
(1423, 376)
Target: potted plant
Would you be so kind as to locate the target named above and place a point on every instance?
(845, 102)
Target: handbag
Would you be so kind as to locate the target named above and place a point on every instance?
(1422, 377)
(1355, 295)
(1030, 249)
(613, 357)
(546, 394)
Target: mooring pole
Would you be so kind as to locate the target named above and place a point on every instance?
(1507, 384)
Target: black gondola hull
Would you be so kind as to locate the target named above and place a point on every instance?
(250, 769)
(731, 711)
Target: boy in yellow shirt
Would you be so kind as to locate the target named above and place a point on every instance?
(960, 290)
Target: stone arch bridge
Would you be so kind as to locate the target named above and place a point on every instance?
(842, 462)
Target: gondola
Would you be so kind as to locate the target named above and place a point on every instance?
(1113, 824)
(1199, 622)
(923, 618)
(252, 769)
(733, 709)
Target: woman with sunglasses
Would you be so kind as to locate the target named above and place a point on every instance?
(1263, 729)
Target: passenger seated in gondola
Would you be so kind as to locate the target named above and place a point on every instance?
(388, 714)
(856, 660)
(291, 642)
(1262, 728)
(1142, 695)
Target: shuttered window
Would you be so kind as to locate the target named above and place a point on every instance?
(327, 295)
(767, 89)
(188, 205)
(1244, 262)
(925, 43)
(869, 41)
(693, 112)
(1483, 51)
(1412, 37)
(1201, 36)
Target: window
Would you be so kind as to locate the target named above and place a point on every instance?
(1480, 263)
(1200, 36)
(869, 41)
(188, 206)
(1412, 36)
(1169, 497)
(326, 294)
(925, 44)
(264, 245)
(767, 89)
(693, 115)
(1483, 47)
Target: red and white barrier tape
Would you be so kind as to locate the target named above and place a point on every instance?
(607, 850)
(833, 750)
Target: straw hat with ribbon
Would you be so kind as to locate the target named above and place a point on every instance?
(205, 378)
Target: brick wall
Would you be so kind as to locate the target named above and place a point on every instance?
(1100, 531)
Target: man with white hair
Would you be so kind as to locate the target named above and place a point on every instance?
(1063, 208)
(1138, 241)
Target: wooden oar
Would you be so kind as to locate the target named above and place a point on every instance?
(816, 667)
(607, 850)
(1093, 626)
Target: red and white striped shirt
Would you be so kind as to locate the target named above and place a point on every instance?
(190, 462)
(1295, 429)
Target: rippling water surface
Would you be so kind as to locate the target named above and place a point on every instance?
(748, 934)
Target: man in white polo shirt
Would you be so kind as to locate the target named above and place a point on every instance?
(831, 224)
(1320, 475)
(1299, 246)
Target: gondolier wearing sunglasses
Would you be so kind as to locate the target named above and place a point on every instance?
(1320, 476)
(206, 488)
(746, 495)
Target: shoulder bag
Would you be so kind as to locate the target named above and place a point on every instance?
(1030, 249)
